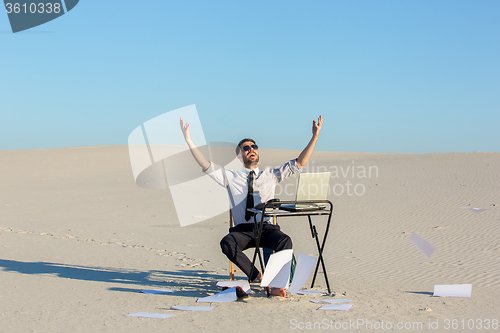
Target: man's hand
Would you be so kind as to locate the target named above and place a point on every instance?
(198, 156)
(185, 130)
(306, 153)
(317, 127)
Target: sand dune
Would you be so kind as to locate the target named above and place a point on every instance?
(79, 239)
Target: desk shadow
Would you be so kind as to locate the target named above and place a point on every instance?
(190, 282)
(420, 292)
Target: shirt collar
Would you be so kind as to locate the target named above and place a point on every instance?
(247, 171)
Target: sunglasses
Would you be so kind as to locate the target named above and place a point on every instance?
(247, 148)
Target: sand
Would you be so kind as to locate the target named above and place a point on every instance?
(79, 240)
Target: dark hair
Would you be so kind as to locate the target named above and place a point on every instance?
(241, 142)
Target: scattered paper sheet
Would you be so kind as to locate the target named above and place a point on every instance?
(333, 301)
(242, 283)
(150, 315)
(228, 295)
(475, 210)
(158, 291)
(305, 265)
(191, 308)
(424, 246)
(453, 290)
(277, 273)
(339, 307)
(311, 292)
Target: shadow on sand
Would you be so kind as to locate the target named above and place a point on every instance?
(420, 292)
(190, 283)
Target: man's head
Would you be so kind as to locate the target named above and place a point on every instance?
(249, 152)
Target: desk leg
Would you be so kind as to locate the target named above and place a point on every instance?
(324, 241)
(314, 234)
(257, 250)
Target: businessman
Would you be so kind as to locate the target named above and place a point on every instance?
(247, 188)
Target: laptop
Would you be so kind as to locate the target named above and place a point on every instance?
(310, 186)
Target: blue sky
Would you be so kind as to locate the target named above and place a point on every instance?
(387, 76)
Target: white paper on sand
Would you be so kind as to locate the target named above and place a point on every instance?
(453, 290)
(311, 292)
(150, 315)
(242, 283)
(305, 265)
(277, 273)
(338, 307)
(157, 291)
(424, 246)
(228, 295)
(475, 210)
(191, 308)
(333, 301)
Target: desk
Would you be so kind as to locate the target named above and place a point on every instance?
(267, 212)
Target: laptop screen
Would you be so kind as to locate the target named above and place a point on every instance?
(312, 186)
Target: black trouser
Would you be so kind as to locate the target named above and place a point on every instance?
(241, 237)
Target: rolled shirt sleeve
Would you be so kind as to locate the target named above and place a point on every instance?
(216, 172)
(286, 170)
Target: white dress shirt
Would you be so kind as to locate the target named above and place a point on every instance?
(264, 185)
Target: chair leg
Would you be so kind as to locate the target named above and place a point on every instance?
(231, 271)
(231, 265)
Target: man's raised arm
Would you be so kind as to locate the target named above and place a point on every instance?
(306, 153)
(198, 156)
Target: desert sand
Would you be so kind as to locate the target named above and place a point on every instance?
(79, 240)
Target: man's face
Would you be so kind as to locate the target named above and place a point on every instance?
(251, 156)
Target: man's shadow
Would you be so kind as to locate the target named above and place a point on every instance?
(189, 283)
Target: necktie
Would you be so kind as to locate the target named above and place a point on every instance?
(248, 214)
